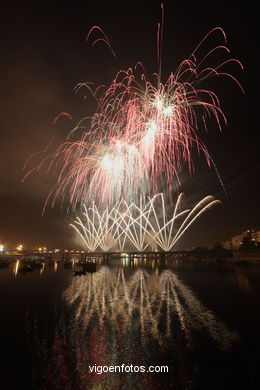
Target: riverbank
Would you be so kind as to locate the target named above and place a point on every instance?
(242, 257)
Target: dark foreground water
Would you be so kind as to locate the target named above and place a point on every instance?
(201, 320)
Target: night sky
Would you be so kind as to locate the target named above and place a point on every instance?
(44, 54)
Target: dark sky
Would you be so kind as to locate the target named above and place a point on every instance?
(43, 56)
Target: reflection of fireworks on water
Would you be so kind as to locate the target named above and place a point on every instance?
(143, 224)
(141, 134)
(145, 304)
(116, 318)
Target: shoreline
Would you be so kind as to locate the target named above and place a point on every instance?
(220, 260)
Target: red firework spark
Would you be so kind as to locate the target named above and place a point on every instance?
(142, 132)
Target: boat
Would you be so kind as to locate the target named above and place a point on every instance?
(88, 267)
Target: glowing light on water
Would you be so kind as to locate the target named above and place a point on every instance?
(16, 267)
(143, 303)
(42, 268)
(157, 314)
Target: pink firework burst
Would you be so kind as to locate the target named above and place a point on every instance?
(143, 132)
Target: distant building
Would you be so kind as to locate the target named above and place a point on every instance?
(256, 237)
(249, 238)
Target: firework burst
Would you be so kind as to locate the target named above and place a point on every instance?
(143, 132)
(138, 225)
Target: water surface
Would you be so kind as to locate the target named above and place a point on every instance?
(199, 319)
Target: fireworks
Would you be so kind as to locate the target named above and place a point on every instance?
(136, 143)
(139, 225)
(135, 316)
(143, 133)
(135, 303)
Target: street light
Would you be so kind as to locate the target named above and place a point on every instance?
(19, 247)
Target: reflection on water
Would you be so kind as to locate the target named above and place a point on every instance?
(241, 279)
(16, 267)
(198, 319)
(150, 304)
(113, 317)
(42, 269)
(55, 266)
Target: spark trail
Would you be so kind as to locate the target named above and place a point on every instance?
(143, 132)
(140, 225)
